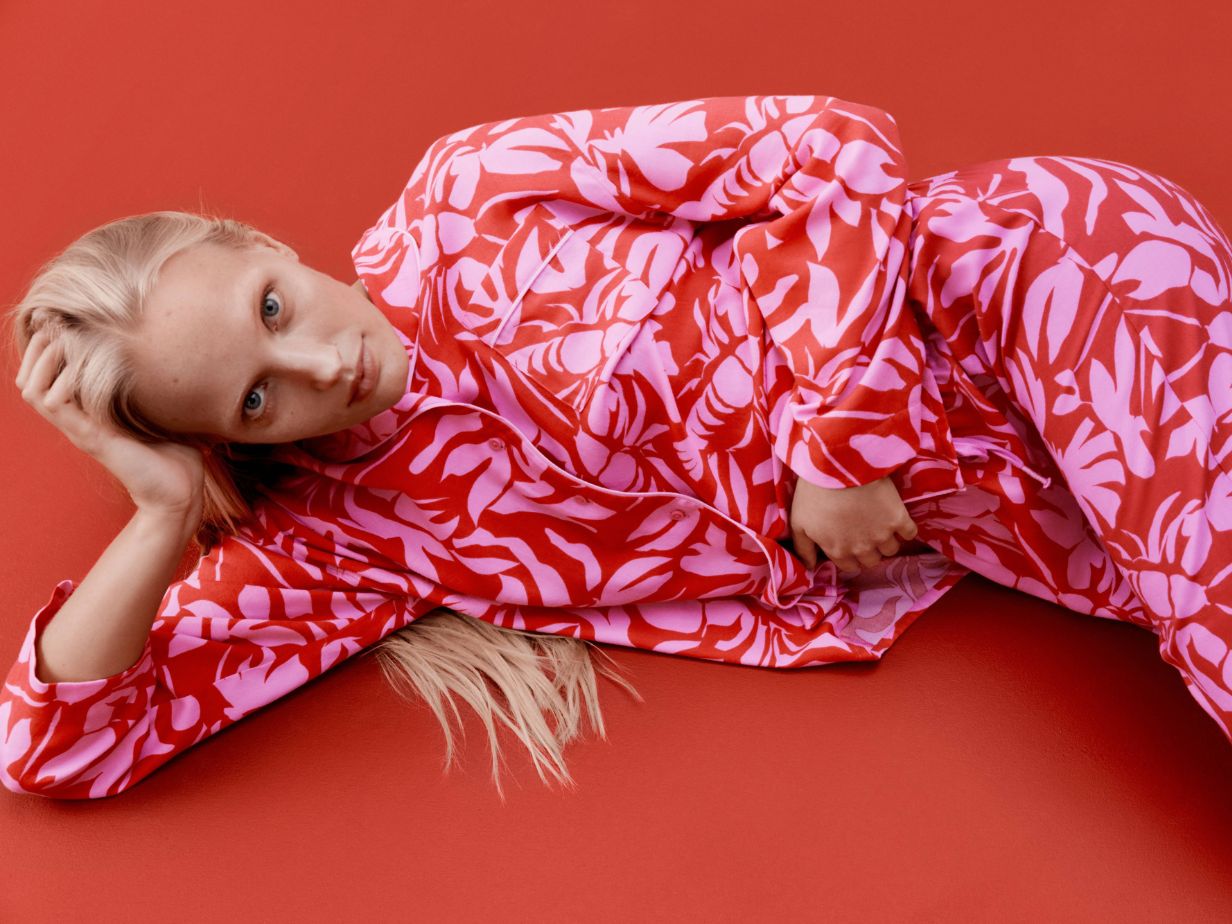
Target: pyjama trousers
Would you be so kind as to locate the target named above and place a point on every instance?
(1089, 301)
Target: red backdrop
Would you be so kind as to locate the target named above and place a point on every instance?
(1008, 759)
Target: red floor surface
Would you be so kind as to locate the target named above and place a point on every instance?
(1008, 760)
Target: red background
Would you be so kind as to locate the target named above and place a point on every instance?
(1007, 760)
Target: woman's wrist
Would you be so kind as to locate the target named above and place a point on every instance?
(181, 521)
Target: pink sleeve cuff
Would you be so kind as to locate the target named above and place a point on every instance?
(23, 672)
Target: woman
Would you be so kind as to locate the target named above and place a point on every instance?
(602, 374)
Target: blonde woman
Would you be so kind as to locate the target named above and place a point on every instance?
(710, 378)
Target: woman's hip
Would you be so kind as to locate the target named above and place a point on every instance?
(1058, 263)
(1091, 301)
(1147, 239)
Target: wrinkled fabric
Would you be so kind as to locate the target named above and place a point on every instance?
(631, 330)
(1088, 302)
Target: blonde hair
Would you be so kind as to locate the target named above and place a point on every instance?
(92, 294)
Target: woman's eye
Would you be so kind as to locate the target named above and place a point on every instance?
(267, 300)
(270, 298)
(249, 406)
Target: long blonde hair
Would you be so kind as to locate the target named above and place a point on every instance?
(93, 293)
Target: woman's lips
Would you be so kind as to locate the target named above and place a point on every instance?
(367, 374)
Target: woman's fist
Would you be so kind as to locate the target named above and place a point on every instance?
(853, 527)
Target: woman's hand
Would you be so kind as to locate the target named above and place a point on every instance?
(166, 477)
(853, 526)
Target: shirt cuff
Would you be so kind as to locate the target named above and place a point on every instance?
(24, 675)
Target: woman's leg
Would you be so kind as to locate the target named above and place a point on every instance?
(1104, 313)
(1007, 527)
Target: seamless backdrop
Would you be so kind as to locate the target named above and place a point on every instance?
(1008, 760)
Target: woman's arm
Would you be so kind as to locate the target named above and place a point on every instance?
(102, 628)
(258, 617)
(121, 673)
(820, 183)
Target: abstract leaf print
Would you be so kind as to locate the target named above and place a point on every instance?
(1112, 343)
(631, 330)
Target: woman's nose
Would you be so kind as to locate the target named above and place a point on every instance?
(320, 365)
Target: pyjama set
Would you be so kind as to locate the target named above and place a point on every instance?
(630, 331)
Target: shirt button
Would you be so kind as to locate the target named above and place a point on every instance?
(678, 514)
(496, 444)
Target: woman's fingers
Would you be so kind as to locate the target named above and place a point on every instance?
(888, 547)
(852, 561)
(869, 558)
(34, 352)
(806, 548)
(807, 551)
(63, 404)
(34, 349)
(48, 388)
(43, 371)
(56, 393)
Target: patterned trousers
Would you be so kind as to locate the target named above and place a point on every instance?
(1089, 300)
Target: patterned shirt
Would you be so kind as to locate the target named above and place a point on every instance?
(630, 331)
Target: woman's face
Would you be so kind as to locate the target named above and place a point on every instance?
(255, 347)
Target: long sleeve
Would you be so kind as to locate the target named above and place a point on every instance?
(820, 184)
(251, 623)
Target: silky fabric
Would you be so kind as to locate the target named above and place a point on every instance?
(631, 331)
(1088, 301)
